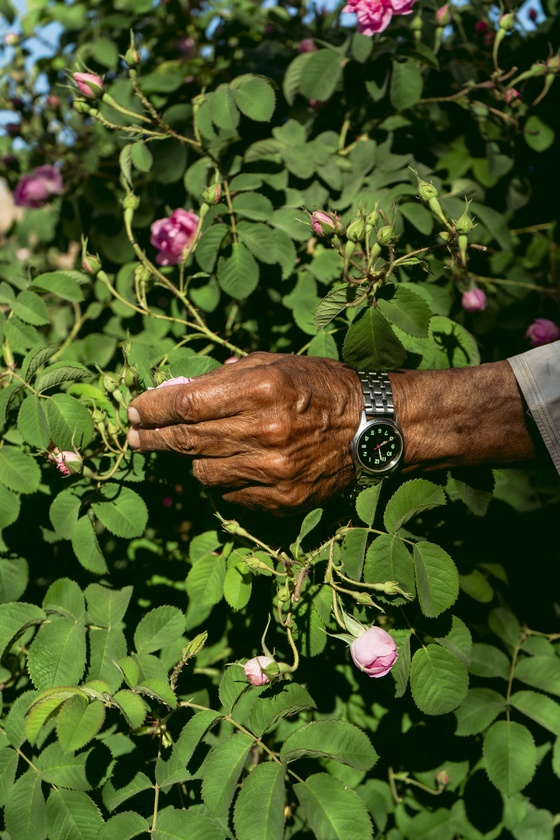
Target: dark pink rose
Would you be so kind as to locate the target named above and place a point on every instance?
(374, 652)
(373, 15)
(89, 84)
(174, 236)
(474, 300)
(35, 189)
(254, 670)
(542, 331)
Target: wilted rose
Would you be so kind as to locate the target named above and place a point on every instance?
(89, 84)
(61, 459)
(542, 331)
(35, 188)
(374, 652)
(173, 236)
(474, 300)
(254, 670)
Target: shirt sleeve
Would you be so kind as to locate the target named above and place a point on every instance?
(538, 376)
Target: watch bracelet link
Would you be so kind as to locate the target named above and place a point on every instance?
(378, 395)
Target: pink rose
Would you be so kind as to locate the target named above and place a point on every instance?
(89, 84)
(61, 459)
(374, 652)
(511, 94)
(542, 331)
(307, 45)
(35, 189)
(254, 670)
(178, 380)
(231, 360)
(375, 15)
(325, 224)
(474, 300)
(173, 236)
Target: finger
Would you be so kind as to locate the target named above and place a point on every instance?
(217, 394)
(217, 438)
(242, 470)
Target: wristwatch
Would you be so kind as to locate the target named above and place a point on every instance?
(378, 445)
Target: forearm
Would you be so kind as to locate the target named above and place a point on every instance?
(463, 417)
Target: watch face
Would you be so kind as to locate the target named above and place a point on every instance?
(379, 446)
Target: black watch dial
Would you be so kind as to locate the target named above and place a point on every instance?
(379, 446)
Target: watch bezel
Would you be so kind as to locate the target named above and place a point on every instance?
(389, 466)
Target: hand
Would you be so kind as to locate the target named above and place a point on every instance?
(270, 432)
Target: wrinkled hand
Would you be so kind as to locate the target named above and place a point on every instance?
(270, 432)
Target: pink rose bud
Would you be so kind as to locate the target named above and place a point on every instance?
(211, 195)
(542, 331)
(474, 300)
(89, 84)
(173, 237)
(254, 670)
(481, 26)
(178, 380)
(374, 652)
(307, 45)
(443, 15)
(325, 224)
(11, 39)
(511, 95)
(90, 264)
(231, 361)
(442, 778)
(35, 188)
(61, 459)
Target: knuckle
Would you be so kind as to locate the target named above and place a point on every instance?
(282, 469)
(183, 403)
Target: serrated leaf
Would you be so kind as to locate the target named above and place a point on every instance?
(125, 164)
(474, 487)
(223, 108)
(132, 706)
(113, 797)
(541, 672)
(64, 512)
(32, 422)
(142, 158)
(25, 814)
(505, 625)
(58, 373)
(36, 358)
(44, 707)
(260, 240)
(57, 655)
(14, 619)
(332, 305)
(232, 685)
(78, 722)
(323, 345)
(292, 77)
(478, 710)
(437, 579)
(254, 96)
(31, 308)
(14, 575)
(10, 506)
(123, 826)
(174, 769)
(406, 309)
(238, 585)
(259, 808)
(538, 135)
(336, 739)
(70, 423)
(371, 344)
(157, 690)
(86, 547)
(205, 581)
(401, 669)
(489, 661)
(238, 274)
(64, 596)
(72, 815)
(438, 680)
(178, 825)
(333, 810)
(107, 607)
(388, 558)
(458, 641)
(6, 396)
(158, 628)
(124, 513)
(8, 767)
(19, 471)
(279, 701)
(253, 206)
(510, 756)
(105, 648)
(540, 708)
(63, 284)
(412, 497)
(406, 85)
(221, 772)
(321, 74)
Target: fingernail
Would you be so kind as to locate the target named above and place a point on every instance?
(133, 438)
(133, 416)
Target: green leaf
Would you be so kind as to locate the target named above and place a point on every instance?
(63, 284)
(293, 75)
(78, 722)
(505, 625)
(406, 85)
(25, 815)
(388, 558)
(310, 521)
(406, 309)
(64, 596)
(371, 344)
(208, 248)
(6, 396)
(107, 607)
(158, 628)
(178, 825)
(279, 701)
(254, 97)
(124, 513)
(223, 108)
(58, 373)
(20, 336)
(64, 512)
(31, 308)
(510, 756)
(333, 810)
(261, 240)
(474, 486)
(132, 706)
(86, 548)
(401, 669)
(336, 739)
(477, 586)
(259, 809)
(538, 135)
(205, 581)
(437, 579)
(352, 552)
(253, 206)
(321, 73)
(438, 680)
(412, 498)
(19, 471)
(232, 685)
(142, 158)
(106, 648)
(113, 797)
(14, 619)
(366, 503)
(173, 770)
(14, 572)
(157, 690)
(541, 672)
(57, 655)
(489, 661)
(323, 345)
(8, 766)
(72, 814)
(478, 710)
(238, 585)
(123, 826)
(454, 345)
(45, 707)
(540, 708)
(32, 422)
(70, 422)
(10, 505)
(221, 772)
(238, 274)
(458, 641)
(418, 216)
